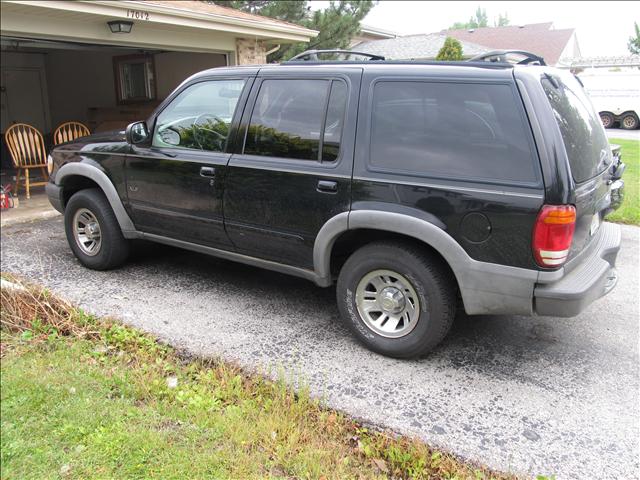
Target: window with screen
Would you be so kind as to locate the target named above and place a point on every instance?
(460, 130)
(297, 119)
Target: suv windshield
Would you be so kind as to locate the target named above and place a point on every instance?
(583, 135)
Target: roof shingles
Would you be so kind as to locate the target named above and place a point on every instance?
(414, 47)
(538, 38)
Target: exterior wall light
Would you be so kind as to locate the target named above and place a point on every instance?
(120, 26)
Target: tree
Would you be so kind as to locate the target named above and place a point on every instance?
(634, 41)
(502, 21)
(477, 21)
(337, 24)
(450, 51)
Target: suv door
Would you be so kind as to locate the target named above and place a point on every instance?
(292, 170)
(175, 186)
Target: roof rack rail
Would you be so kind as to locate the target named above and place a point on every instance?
(312, 55)
(501, 56)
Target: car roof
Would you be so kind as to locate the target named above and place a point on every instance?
(404, 68)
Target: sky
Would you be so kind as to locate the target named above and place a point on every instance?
(602, 27)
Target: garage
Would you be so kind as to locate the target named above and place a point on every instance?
(105, 64)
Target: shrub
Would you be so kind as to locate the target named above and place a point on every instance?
(450, 51)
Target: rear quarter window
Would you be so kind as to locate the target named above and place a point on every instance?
(582, 133)
(451, 130)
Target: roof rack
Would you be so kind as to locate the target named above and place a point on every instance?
(501, 56)
(312, 55)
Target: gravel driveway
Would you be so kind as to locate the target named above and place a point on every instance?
(529, 395)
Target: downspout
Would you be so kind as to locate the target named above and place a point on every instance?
(273, 50)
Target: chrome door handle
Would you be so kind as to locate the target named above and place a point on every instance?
(327, 186)
(207, 172)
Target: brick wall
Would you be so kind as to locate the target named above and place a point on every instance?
(250, 51)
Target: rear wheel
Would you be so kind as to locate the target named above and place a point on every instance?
(396, 299)
(629, 121)
(93, 231)
(607, 119)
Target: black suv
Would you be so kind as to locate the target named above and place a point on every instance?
(417, 186)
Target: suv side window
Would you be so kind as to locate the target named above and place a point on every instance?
(297, 119)
(199, 118)
(452, 130)
(334, 121)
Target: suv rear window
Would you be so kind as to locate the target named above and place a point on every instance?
(459, 130)
(582, 133)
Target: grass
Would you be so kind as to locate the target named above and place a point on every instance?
(83, 397)
(629, 211)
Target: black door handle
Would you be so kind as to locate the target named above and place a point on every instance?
(327, 186)
(207, 172)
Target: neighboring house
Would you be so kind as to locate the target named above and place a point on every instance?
(555, 46)
(415, 47)
(539, 38)
(624, 62)
(368, 34)
(62, 61)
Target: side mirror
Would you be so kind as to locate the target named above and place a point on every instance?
(137, 133)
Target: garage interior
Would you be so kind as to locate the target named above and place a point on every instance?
(45, 83)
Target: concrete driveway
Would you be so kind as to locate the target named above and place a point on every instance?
(528, 395)
(621, 133)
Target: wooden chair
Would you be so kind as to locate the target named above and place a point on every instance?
(70, 131)
(26, 147)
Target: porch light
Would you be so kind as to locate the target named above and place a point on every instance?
(120, 26)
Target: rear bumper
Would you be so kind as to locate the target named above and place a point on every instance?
(593, 278)
(54, 192)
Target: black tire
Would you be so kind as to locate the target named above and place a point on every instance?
(629, 121)
(607, 119)
(114, 248)
(431, 280)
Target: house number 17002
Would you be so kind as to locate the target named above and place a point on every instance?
(137, 14)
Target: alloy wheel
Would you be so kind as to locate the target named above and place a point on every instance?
(387, 303)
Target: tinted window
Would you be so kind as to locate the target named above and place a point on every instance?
(583, 135)
(199, 117)
(288, 117)
(335, 119)
(473, 131)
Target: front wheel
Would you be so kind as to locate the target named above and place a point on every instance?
(629, 121)
(397, 299)
(93, 231)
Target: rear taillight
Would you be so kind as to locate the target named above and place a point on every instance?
(553, 233)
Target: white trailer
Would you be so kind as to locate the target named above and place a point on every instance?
(615, 95)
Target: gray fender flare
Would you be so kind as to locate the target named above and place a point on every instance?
(388, 221)
(485, 287)
(95, 173)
